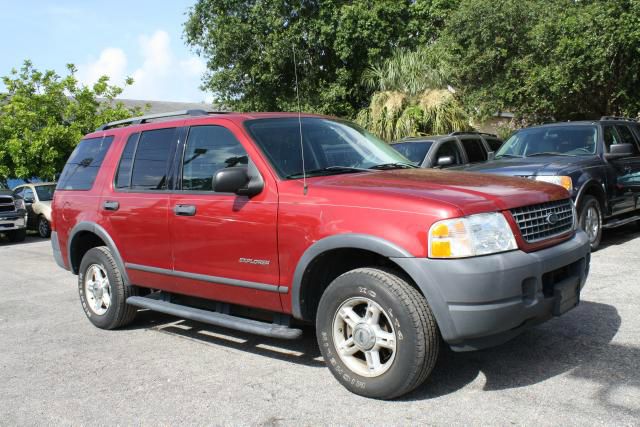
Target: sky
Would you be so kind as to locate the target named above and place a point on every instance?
(137, 38)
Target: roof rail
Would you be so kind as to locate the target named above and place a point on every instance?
(626, 119)
(145, 119)
(471, 132)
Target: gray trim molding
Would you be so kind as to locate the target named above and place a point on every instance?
(210, 279)
(57, 253)
(339, 241)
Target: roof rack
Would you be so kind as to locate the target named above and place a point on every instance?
(471, 132)
(626, 119)
(145, 119)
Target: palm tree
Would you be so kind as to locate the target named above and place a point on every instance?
(410, 98)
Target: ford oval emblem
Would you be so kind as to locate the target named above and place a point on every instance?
(552, 218)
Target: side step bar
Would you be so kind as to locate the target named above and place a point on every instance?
(256, 327)
(620, 222)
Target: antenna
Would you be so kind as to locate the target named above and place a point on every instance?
(295, 72)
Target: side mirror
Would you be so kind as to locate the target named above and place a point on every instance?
(241, 180)
(491, 155)
(619, 151)
(445, 161)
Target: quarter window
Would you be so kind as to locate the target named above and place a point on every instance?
(152, 158)
(84, 163)
(209, 149)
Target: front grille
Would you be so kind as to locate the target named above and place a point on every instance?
(6, 204)
(536, 222)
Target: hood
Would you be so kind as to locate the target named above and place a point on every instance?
(430, 188)
(528, 166)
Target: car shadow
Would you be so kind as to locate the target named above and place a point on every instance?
(303, 351)
(578, 343)
(619, 236)
(31, 238)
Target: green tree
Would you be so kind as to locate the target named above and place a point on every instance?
(248, 46)
(548, 59)
(411, 98)
(43, 116)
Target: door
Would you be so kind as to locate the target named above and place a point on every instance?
(135, 207)
(621, 172)
(474, 149)
(224, 245)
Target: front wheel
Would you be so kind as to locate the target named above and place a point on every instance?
(591, 220)
(376, 333)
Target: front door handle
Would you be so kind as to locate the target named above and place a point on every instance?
(110, 205)
(184, 210)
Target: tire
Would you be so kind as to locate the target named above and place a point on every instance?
(591, 225)
(16, 236)
(404, 315)
(44, 228)
(98, 264)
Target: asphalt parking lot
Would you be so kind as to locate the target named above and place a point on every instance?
(56, 368)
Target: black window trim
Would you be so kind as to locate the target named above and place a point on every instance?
(483, 144)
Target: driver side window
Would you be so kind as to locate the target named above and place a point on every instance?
(449, 149)
(27, 195)
(610, 137)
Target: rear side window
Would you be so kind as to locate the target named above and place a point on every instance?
(414, 151)
(494, 144)
(84, 163)
(475, 150)
(123, 175)
(152, 159)
(209, 149)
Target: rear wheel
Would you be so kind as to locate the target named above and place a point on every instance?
(376, 333)
(17, 235)
(591, 220)
(44, 228)
(103, 293)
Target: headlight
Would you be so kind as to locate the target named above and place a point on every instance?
(562, 181)
(473, 235)
(19, 204)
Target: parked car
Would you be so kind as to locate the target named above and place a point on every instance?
(598, 162)
(212, 217)
(37, 199)
(443, 151)
(13, 215)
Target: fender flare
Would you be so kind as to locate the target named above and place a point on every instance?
(340, 241)
(96, 229)
(590, 183)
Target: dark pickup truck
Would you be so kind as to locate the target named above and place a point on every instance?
(13, 215)
(597, 161)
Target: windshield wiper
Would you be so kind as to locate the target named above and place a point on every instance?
(327, 169)
(550, 153)
(397, 165)
(508, 155)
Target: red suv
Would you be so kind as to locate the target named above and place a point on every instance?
(260, 222)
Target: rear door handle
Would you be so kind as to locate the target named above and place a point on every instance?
(110, 205)
(184, 210)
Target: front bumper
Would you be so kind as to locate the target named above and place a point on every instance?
(484, 301)
(13, 221)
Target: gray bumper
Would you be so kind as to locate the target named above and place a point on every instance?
(484, 301)
(13, 221)
(57, 254)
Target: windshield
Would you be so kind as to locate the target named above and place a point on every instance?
(330, 146)
(45, 192)
(551, 140)
(414, 151)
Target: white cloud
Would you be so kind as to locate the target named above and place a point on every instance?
(160, 75)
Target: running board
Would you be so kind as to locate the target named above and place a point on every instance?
(256, 327)
(621, 222)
